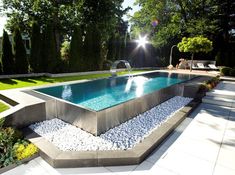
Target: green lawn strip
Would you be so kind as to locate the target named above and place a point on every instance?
(3, 107)
(28, 82)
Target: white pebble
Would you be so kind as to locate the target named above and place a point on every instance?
(125, 136)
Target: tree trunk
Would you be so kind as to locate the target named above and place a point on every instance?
(191, 64)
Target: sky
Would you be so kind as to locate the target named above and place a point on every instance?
(126, 3)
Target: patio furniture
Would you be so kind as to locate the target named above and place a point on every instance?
(212, 66)
(200, 65)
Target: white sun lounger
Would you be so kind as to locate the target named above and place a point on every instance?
(200, 66)
(212, 66)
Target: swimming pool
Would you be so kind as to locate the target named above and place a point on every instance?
(101, 94)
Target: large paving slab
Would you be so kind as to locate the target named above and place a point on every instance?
(223, 95)
(222, 101)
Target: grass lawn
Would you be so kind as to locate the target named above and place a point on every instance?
(3, 107)
(27, 82)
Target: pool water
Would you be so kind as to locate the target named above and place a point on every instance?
(104, 93)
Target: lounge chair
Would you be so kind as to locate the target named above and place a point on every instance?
(194, 66)
(212, 66)
(201, 66)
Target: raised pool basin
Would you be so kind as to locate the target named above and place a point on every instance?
(99, 105)
(105, 93)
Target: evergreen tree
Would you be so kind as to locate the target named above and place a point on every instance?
(20, 53)
(7, 56)
(127, 50)
(111, 48)
(97, 46)
(225, 40)
(76, 51)
(122, 48)
(88, 50)
(49, 52)
(36, 43)
(118, 47)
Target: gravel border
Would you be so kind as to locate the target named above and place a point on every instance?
(125, 136)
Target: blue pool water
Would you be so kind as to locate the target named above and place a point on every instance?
(104, 93)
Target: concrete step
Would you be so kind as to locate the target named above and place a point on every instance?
(221, 94)
(219, 101)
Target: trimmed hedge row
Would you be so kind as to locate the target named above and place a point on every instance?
(228, 71)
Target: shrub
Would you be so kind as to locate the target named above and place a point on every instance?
(7, 138)
(12, 147)
(232, 72)
(209, 85)
(202, 88)
(225, 71)
(24, 149)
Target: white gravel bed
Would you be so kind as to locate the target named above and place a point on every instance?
(125, 136)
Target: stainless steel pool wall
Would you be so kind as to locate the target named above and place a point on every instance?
(97, 122)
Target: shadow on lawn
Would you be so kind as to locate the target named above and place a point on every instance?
(28, 80)
(8, 81)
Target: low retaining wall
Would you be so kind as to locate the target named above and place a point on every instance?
(22, 115)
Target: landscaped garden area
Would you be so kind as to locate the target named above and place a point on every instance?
(48, 46)
(13, 148)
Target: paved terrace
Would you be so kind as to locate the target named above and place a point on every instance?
(202, 144)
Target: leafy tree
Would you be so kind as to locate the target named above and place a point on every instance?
(195, 45)
(76, 50)
(7, 56)
(65, 15)
(49, 51)
(224, 42)
(36, 44)
(20, 53)
(166, 21)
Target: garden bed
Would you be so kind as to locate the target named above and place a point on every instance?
(14, 165)
(14, 149)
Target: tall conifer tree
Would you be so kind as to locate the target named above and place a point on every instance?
(76, 51)
(20, 53)
(7, 56)
(36, 44)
